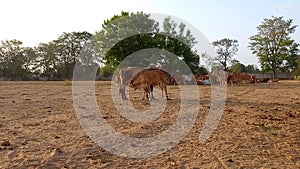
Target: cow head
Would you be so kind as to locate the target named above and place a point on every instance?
(252, 79)
(131, 84)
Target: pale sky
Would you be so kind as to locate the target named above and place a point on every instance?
(36, 21)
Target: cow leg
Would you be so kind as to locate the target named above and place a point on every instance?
(146, 93)
(165, 88)
(124, 95)
(122, 91)
(162, 89)
(151, 91)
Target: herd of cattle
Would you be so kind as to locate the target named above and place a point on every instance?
(147, 78)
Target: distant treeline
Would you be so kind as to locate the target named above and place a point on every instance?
(129, 35)
(54, 60)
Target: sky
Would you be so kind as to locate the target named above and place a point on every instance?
(36, 21)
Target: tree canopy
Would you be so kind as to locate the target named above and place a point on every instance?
(237, 66)
(54, 60)
(274, 47)
(226, 48)
(127, 35)
(12, 59)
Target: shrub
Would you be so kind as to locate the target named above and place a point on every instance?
(67, 82)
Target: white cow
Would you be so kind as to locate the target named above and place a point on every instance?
(187, 79)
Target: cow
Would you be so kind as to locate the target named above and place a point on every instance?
(201, 78)
(231, 79)
(171, 80)
(187, 79)
(124, 77)
(252, 79)
(150, 77)
(240, 78)
(219, 76)
(117, 80)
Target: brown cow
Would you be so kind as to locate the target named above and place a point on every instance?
(231, 79)
(200, 78)
(124, 77)
(240, 78)
(150, 77)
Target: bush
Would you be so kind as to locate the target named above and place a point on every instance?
(67, 82)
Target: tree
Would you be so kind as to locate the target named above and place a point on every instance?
(226, 49)
(57, 58)
(179, 42)
(237, 66)
(47, 59)
(274, 46)
(68, 48)
(201, 70)
(122, 35)
(129, 36)
(296, 71)
(31, 65)
(251, 69)
(12, 59)
(106, 71)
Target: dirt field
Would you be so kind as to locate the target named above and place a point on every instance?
(260, 128)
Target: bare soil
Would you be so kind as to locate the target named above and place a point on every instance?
(260, 128)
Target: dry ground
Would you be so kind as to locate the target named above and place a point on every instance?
(260, 128)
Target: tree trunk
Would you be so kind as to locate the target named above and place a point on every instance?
(274, 74)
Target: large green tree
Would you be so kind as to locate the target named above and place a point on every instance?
(127, 35)
(122, 35)
(226, 48)
(274, 47)
(179, 41)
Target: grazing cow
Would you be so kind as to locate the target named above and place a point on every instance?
(124, 77)
(150, 77)
(117, 80)
(240, 78)
(252, 79)
(265, 80)
(201, 79)
(187, 79)
(219, 76)
(231, 79)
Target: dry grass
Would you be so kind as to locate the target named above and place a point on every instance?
(259, 129)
